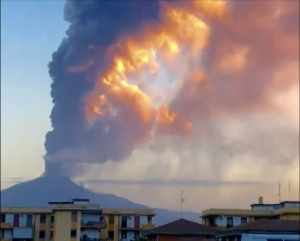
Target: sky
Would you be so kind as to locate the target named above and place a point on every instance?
(30, 32)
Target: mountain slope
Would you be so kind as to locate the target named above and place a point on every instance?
(40, 191)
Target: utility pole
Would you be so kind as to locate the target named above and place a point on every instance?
(182, 200)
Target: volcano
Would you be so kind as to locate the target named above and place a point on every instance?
(40, 191)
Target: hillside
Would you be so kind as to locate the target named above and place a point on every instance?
(40, 191)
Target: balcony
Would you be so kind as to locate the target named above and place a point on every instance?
(147, 227)
(5, 225)
(91, 239)
(93, 224)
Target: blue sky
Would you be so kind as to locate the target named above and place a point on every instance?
(30, 32)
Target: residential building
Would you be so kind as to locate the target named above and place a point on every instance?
(263, 230)
(180, 230)
(227, 218)
(126, 224)
(77, 220)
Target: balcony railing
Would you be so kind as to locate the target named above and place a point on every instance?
(92, 239)
(100, 224)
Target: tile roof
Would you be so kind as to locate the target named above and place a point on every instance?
(183, 227)
(265, 225)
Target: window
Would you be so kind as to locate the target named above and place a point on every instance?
(124, 235)
(111, 235)
(51, 234)
(229, 222)
(73, 233)
(2, 233)
(29, 220)
(2, 218)
(43, 218)
(74, 217)
(111, 219)
(244, 220)
(124, 222)
(42, 234)
(52, 219)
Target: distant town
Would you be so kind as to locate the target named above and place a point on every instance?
(79, 220)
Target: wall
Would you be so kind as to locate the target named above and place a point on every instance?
(87, 217)
(62, 226)
(91, 233)
(292, 205)
(263, 207)
(289, 217)
(222, 221)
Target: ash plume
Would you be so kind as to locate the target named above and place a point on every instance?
(224, 61)
(94, 25)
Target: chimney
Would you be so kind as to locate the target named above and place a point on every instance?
(260, 200)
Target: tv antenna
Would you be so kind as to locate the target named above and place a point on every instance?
(279, 194)
(182, 200)
(290, 189)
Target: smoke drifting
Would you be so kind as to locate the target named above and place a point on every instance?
(132, 74)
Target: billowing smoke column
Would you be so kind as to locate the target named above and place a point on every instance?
(94, 25)
(222, 58)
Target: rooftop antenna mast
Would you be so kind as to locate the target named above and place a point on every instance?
(279, 192)
(182, 200)
(290, 187)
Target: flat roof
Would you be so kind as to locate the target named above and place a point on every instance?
(108, 211)
(263, 226)
(235, 212)
(264, 204)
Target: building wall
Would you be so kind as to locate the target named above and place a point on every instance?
(224, 221)
(265, 207)
(114, 226)
(292, 205)
(289, 217)
(62, 226)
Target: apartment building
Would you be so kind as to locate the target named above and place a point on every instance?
(126, 224)
(228, 218)
(77, 220)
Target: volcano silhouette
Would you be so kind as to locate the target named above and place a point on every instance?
(40, 191)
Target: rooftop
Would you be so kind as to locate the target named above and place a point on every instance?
(264, 226)
(45, 210)
(182, 227)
